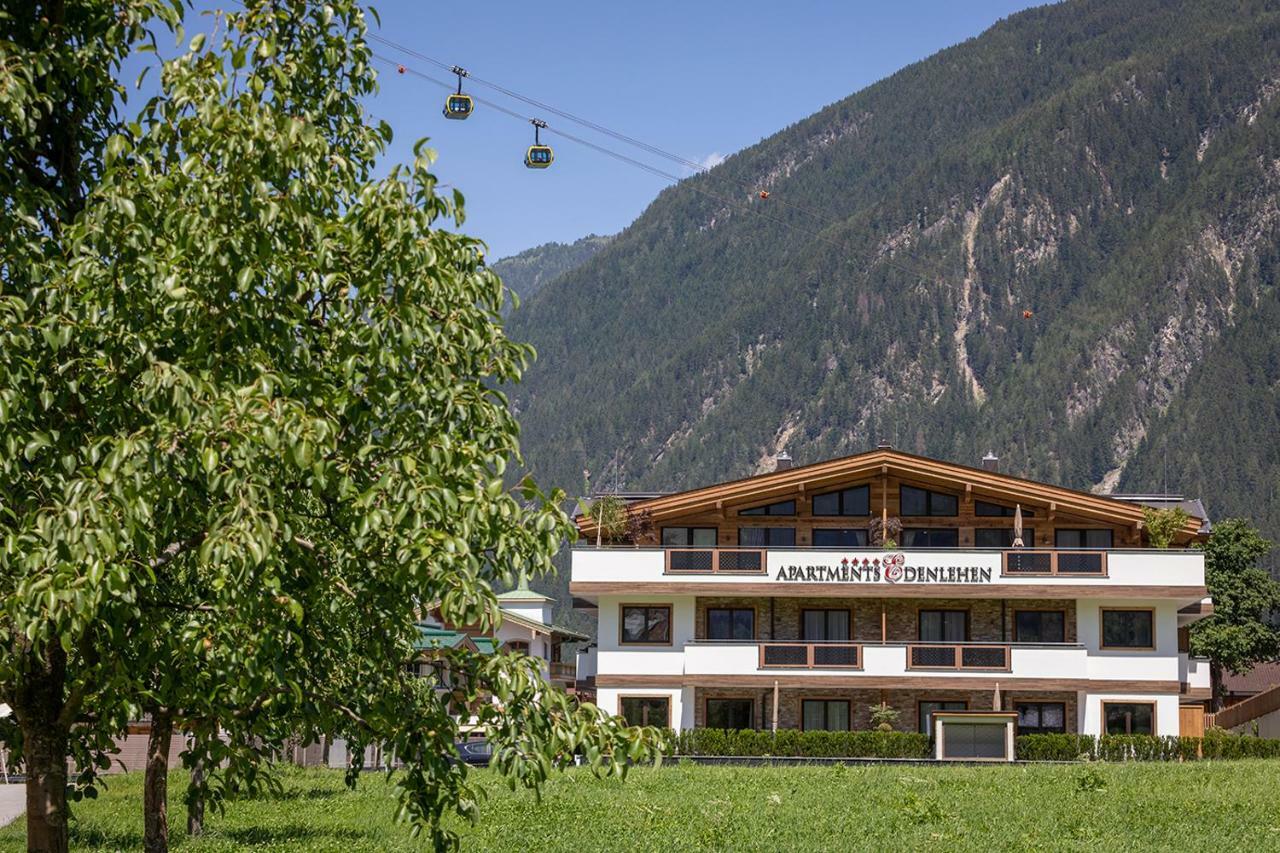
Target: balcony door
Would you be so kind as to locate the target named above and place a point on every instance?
(825, 626)
(944, 626)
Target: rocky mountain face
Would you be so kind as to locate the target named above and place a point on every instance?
(1056, 241)
(527, 272)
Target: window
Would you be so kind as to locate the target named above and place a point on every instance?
(1091, 538)
(824, 625)
(1129, 718)
(835, 537)
(646, 623)
(944, 626)
(731, 623)
(830, 715)
(930, 537)
(767, 537)
(913, 501)
(1128, 629)
(646, 710)
(1041, 718)
(927, 709)
(779, 508)
(730, 714)
(521, 646)
(689, 537)
(1001, 537)
(855, 501)
(1039, 626)
(984, 508)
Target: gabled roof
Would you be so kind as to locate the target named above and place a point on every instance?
(810, 478)
(543, 627)
(432, 636)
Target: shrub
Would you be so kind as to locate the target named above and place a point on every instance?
(1214, 745)
(1054, 747)
(795, 743)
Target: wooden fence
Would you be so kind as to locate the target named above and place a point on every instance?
(1250, 709)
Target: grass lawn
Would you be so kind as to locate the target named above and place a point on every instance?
(1200, 806)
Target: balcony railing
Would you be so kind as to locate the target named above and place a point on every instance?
(724, 561)
(958, 656)
(564, 670)
(810, 656)
(1029, 562)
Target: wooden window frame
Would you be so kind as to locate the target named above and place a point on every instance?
(706, 709)
(920, 711)
(1018, 610)
(1102, 629)
(800, 631)
(928, 502)
(968, 624)
(824, 699)
(1154, 711)
(671, 630)
(1042, 703)
(665, 697)
(755, 620)
(840, 501)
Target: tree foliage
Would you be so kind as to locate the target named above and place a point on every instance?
(1162, 525)
(251, 425)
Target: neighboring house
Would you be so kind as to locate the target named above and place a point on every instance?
(759, 603)
(1261, 678)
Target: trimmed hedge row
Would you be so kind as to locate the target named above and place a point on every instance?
(792, 742)
(1053, 747)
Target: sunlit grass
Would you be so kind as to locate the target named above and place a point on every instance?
(1200, 806)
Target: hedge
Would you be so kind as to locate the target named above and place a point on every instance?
(1051, 747)
(792, 742)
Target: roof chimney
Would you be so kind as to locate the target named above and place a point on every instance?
(991, 463)
(782, 461)
(884, 445)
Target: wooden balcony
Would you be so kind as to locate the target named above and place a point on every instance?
(1031, 562)
(958, 656)
(810, 656)
(715, 561)
(563, 671)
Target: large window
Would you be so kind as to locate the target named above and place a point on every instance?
(646, 623)
(1041, 718)
(927, 710)
(913, 501)
(855, 501)
(1001, 537)
(930, 537)
(1128, 629)
(730, 714)
(779, 508)
(689, 537)
(818, 625)
(767, 537)
(825, 715)
(1039, 626)
(944, 626)
(985, 508)
(1098, 538)
(646, 710)
(839, 537)
(731, 623)
(1129, 718)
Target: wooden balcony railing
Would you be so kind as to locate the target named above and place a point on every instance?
(962, 656)
(724, 561)
(1021, 562)
(810, 656)
(564, 670)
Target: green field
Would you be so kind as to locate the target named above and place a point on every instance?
(1205, 806)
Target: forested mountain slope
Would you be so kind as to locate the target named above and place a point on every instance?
(528, 271)
(1111, 167)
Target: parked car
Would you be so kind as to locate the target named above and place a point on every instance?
(476, 752)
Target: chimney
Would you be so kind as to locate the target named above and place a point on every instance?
(782, 461)
(884, 445)
(991, 463)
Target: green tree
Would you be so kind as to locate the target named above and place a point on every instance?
(251, 425)
(1239, 634)
(1162, 525)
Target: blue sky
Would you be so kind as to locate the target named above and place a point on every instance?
(699, 79)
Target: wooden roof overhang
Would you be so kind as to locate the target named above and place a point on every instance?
(849, 469)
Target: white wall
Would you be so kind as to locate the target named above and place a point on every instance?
(631, 659)
(1124, 664)
(1167, 722)
(1268, 726)
(682, 704)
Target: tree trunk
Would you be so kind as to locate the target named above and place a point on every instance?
(44, 752)
(1216, 686)
(155, 795)
(195, 802)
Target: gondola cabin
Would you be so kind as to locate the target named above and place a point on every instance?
(458, 106)
(539, 156)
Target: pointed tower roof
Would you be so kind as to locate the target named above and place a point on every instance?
(522, 592)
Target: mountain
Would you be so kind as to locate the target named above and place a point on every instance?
(527, 272)
(1056, 241)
